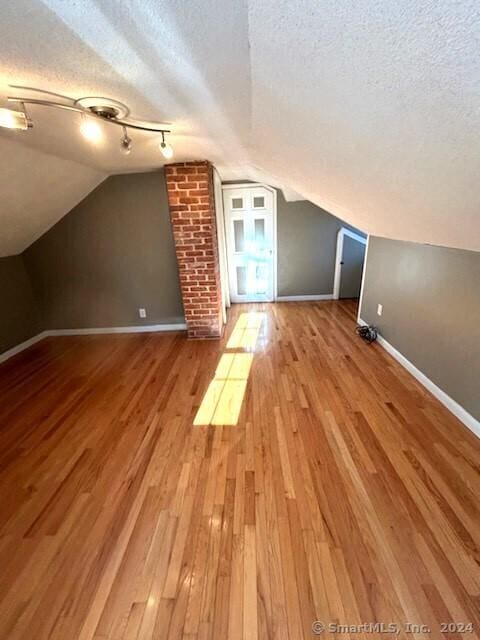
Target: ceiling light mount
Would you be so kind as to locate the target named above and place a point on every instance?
(109, 113)
(104, 108)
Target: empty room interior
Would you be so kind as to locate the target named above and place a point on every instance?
(239, 320)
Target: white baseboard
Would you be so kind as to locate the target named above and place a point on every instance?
(22, 346)
(324, 296)
(458, 411)
(149, 328)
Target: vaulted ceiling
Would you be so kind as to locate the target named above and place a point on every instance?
(369, 109)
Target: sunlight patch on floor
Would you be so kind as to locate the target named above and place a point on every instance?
(245, 331)
(223, 399)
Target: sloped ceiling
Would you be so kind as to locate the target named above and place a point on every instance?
(36, 190)
(371, 110)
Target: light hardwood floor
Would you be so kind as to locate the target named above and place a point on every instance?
(345, 493)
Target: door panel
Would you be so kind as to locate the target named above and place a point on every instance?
(250, 243)
(353, 256)
(239, 236)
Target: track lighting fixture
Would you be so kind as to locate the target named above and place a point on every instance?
(125, 143)
(165, 148)
(92, 110)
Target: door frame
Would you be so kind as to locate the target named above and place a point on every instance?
(255, 185)
(222, 244)
(338, 258)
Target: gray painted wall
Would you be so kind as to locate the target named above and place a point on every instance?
(431, 311)
(112, 254)
(306, 245)
(19, 315)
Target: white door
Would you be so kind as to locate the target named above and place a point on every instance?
(249, 226)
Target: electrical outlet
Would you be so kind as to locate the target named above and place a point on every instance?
(379, 309)
(142, 313)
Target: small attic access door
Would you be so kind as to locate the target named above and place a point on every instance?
(250, 233)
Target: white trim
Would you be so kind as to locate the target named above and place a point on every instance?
(362, 286)
(221, 240)
(275, 244)
(245, 185)
(148, 328)
(151, 328)
(324, 296)
(22, 346)
(255, 185)
(338, 257)
(462, 414)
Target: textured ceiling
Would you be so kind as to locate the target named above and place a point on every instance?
(36, 190)
(371, 110)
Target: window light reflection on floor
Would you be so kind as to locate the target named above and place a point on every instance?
(223, 399)
(246, 330)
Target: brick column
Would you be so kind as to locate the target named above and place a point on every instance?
(192, 211)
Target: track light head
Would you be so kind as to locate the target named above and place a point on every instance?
(91, 130)
(10, 119)
(126, 143)
(165, 148)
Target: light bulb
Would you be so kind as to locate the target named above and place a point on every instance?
(125, 143)
(11, 119)
(166, 150)
(91, 130)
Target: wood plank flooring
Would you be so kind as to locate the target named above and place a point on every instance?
(344, 493)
